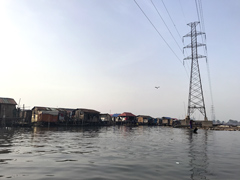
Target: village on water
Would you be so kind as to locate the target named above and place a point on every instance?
(10, 115)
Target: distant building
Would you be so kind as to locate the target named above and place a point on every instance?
(37, 110)
(85, 116)
(48, 117)
(115, 117)
(143, 119)
(106, 119)
(159, 121)
(65, 115)
(8, 108)
(26, 116)
(166, 121)
(128, 117)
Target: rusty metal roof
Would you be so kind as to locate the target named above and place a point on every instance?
(145, 116)
(88, 110)
(127, 114)
(54, 113)
(7, 101)
(39, 108)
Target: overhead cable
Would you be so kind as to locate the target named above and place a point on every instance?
(166, 25)
(172, 20)
(176, 27)
(202, 26)
(201, 14)
(158, 31)
(182, 11)
(198, 9)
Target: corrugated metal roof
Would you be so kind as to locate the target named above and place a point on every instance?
(105, 114)
(66, 109)
(7, 101)
(50, 112)
(127, 114)
(39, 108)
(145, 116)
(166, 117)
(88, 110)
(115, 115)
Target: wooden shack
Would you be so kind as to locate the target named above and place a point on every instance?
(8, 108)
(37, 110)
(85, 116)
(115, 117)
(48, 117)
(65, 115)
(128, 118)
(166, 121)
(106, 119)
(26, 116)
(8, 111)
(153, 121)
(143, 119)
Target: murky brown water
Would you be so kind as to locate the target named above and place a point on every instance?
(118, 153)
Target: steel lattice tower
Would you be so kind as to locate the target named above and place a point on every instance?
(195, 99)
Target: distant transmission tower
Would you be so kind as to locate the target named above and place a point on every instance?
(213, 113)
(195, 98)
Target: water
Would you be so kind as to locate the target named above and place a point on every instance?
(118, 153)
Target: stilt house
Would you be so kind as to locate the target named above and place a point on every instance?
(106, 119)
(85, 116)
(44, 114)
(7, 108)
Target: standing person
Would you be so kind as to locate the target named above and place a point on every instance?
(191, 122)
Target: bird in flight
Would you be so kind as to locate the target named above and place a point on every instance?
(157, 87)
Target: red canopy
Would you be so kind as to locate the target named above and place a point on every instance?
(127, 114)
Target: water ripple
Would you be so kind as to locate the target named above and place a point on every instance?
(118, 152)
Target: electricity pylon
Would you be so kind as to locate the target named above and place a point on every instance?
(195, 98)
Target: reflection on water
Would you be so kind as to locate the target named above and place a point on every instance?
(117, 152)
(198, 154)
(5, 144)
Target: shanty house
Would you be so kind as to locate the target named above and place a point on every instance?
(65, 115)
(128, 118)
(37, 110)
(143, 119)
(85, 116)
(106, 119)
(26, 116)
(159, 121)
(115, 117)
(153, 121)
(166, 121)
(7, 108)
(48, 117)
(175, 122)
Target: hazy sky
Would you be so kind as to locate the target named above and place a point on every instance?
(105, 55)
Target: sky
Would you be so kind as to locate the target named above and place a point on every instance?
(106, 55)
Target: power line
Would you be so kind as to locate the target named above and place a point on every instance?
(198, 13)
(202, 26)
(175, 28)
(157, 31)
(161, 35)
(166, 25)
(182, 11)
(199, 19)
(202, 23)
(211, 94)
(201, 14)
(172, 20)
